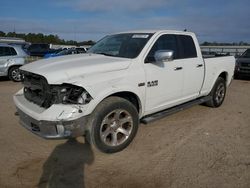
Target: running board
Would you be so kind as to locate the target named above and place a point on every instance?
(153, 117)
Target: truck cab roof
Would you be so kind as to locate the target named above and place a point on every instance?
(157, 31)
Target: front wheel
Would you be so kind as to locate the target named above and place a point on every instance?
(14, 74)
(218, 93)
(114, 124)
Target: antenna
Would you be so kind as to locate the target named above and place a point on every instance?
(185, 30)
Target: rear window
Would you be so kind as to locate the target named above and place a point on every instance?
(38, 46)
(7, 51)
(188, 49)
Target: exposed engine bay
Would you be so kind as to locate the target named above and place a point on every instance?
(37, 90)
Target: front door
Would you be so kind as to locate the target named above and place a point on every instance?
(3, 60)
(164, 79)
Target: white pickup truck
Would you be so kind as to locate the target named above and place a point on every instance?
(124, 78)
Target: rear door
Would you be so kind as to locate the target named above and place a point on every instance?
(6, 54)
(193, 67)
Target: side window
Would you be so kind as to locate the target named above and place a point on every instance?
(12, 51)
(1, 51)
(187, 47)
(7, 51)
(164, 42)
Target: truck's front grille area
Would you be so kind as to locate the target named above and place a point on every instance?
(37, 90)
(34, 127)
(44, 129)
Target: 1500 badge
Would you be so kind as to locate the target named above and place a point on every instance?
(152, 83)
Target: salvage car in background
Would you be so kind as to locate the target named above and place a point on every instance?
(242, 67)
(11, 58)
(38, 49)
(53, 53)
(66, 52)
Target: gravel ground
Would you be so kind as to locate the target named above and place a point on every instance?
(198, 147)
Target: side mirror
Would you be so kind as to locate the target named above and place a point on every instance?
(164, 55)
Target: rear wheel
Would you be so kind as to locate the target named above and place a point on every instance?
(114, 124)
(14, 74)
(218, 93)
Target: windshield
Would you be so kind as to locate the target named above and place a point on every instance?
(246, 54)
(127, 45)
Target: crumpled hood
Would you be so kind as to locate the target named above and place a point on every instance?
(60, 69)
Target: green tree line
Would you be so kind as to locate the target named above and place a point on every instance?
(42, 38)
(54, 39)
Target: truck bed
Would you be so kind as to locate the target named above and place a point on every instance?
(215, 65)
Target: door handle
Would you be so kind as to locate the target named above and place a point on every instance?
(177, 68)
(199, 65)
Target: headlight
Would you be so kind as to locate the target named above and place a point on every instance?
(70, 94)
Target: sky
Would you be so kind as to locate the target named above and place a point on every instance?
(211, 20)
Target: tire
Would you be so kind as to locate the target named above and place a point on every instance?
(218, 93)
(14, 74)
(113, 124)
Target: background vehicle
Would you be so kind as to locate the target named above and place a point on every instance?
(243, 65)
(81, 50)
(52, 53)
(124, 78)
(39, 50)
(11, 58)
(66, 52)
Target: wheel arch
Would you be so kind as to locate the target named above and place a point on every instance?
(211, 80)
(14, 65)
(224, 75)
(131, 97)
(126, 94)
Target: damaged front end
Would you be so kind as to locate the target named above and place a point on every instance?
(38, 91)
(52, 111)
